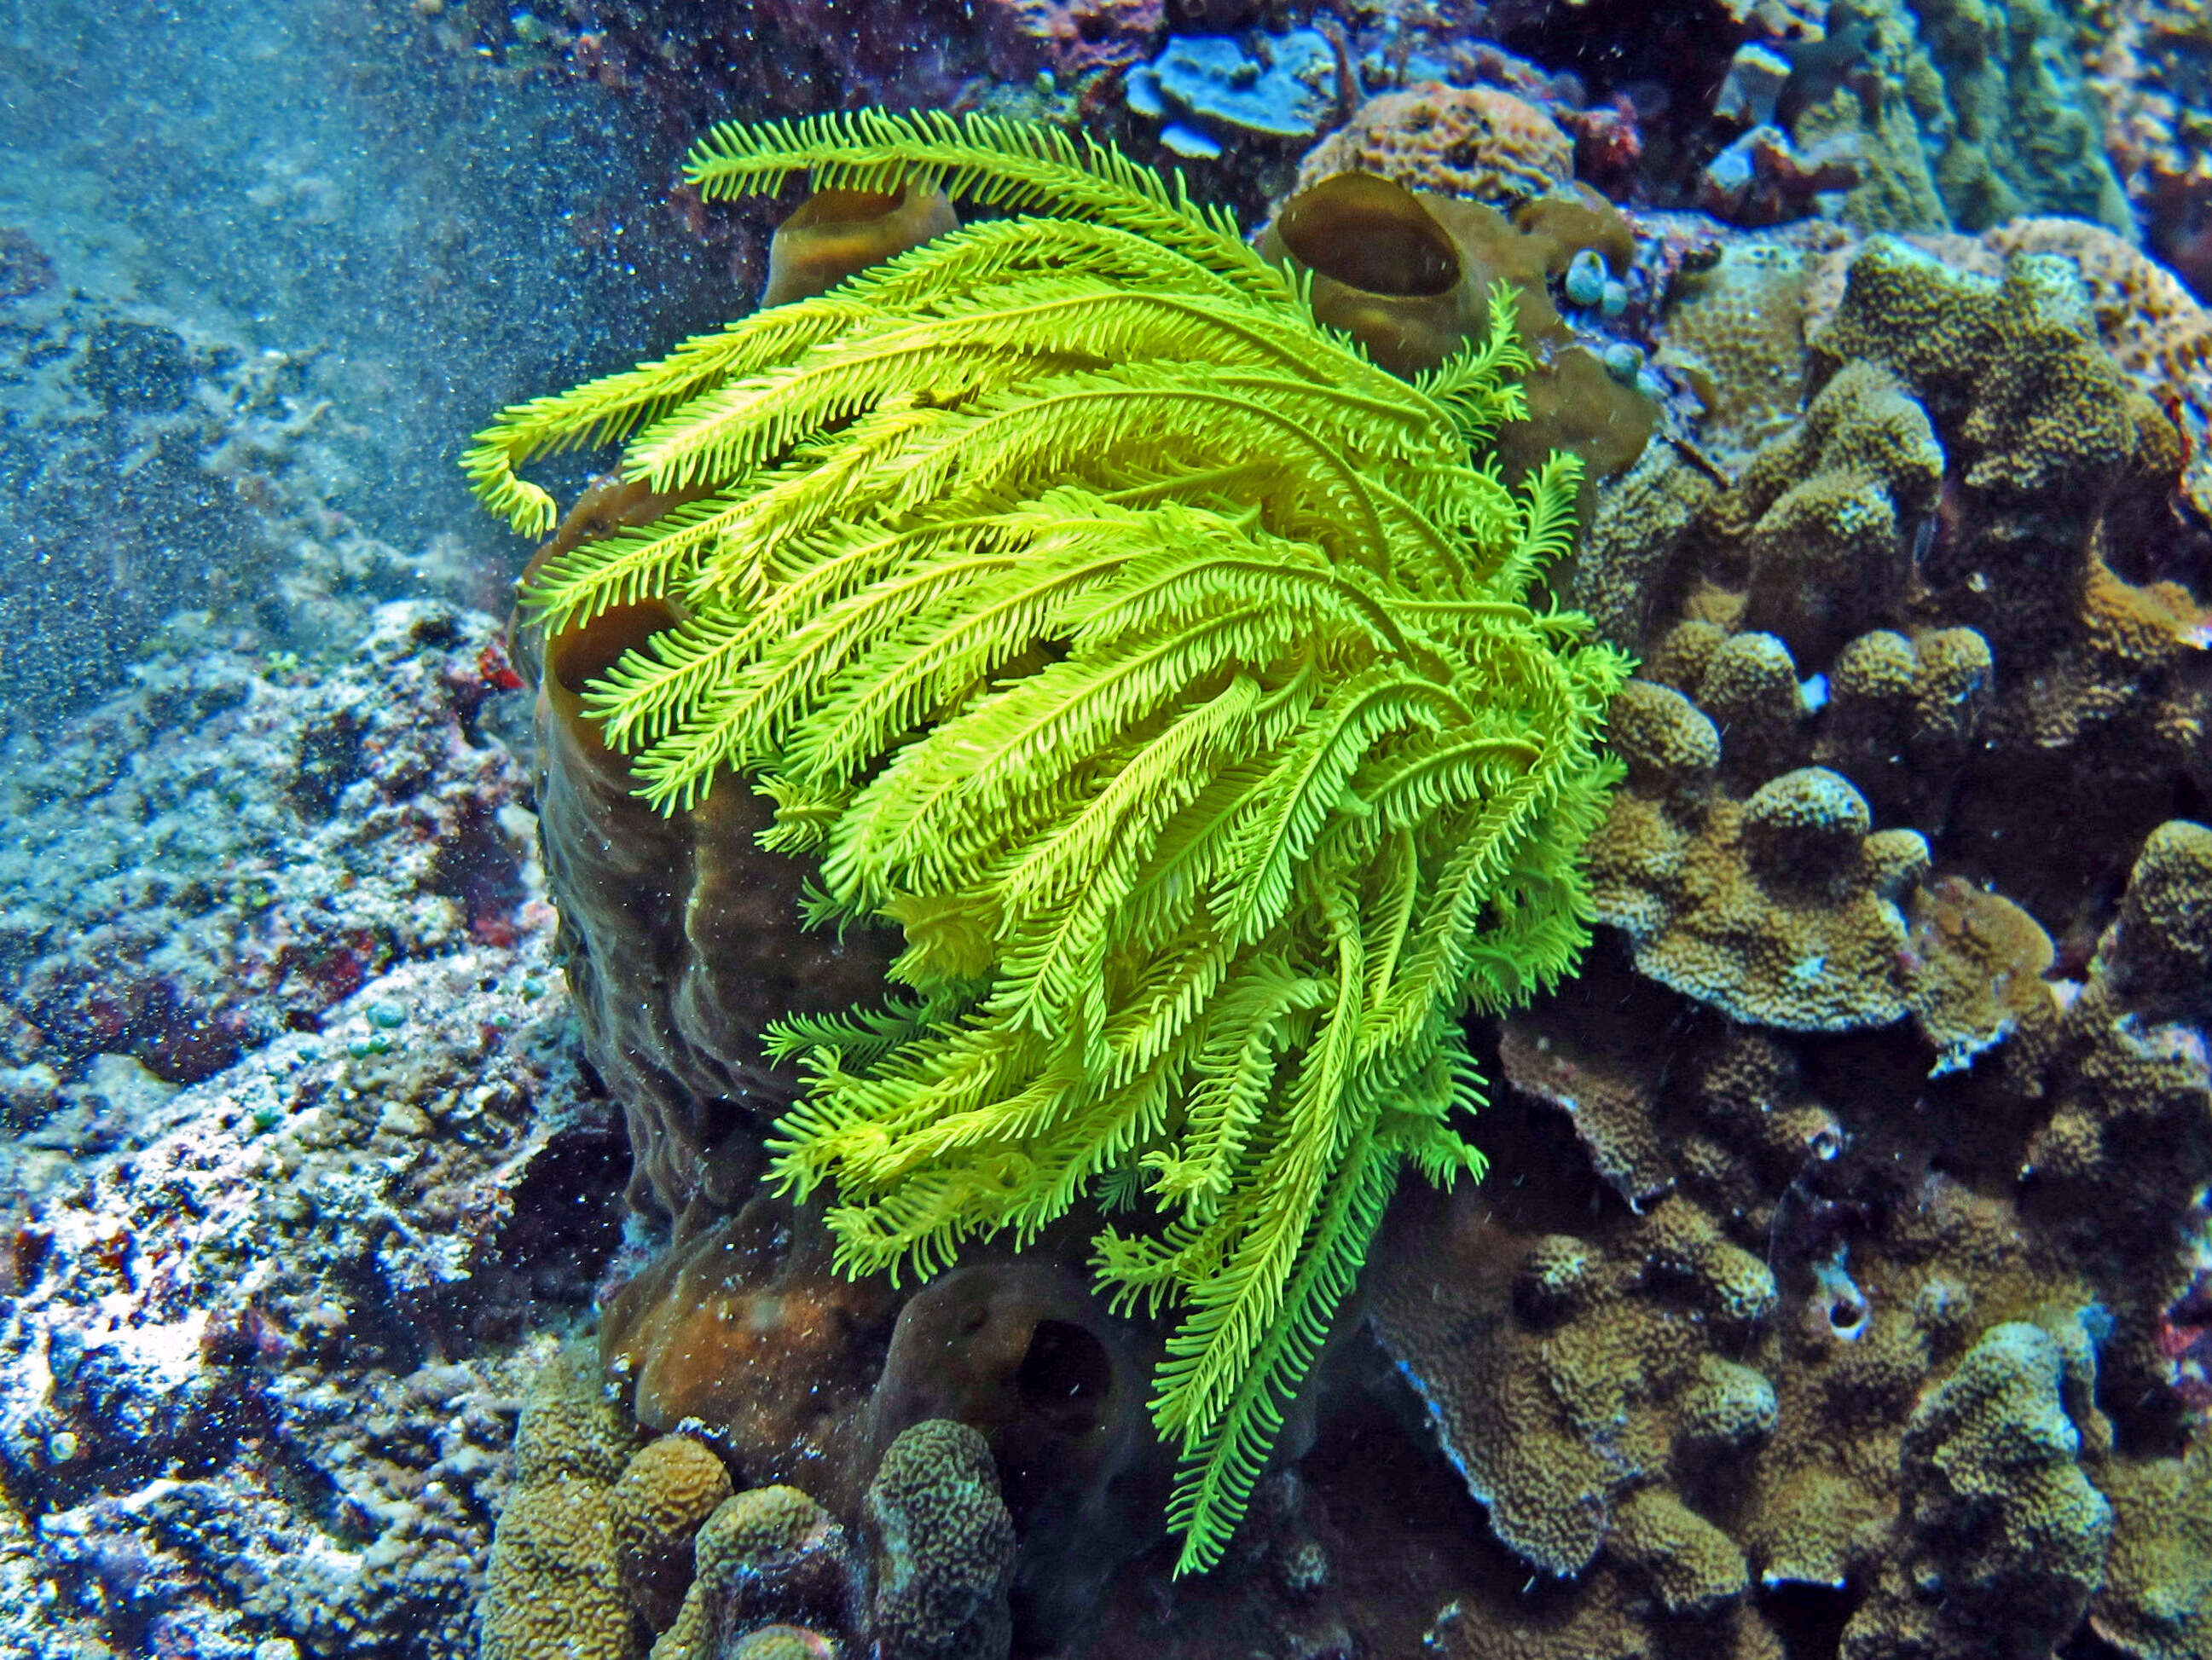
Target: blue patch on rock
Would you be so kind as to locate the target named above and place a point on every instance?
(1211, 87)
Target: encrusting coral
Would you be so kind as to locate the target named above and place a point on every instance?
(1900, 1367)
(768, 1559)
(2004, 1537)
(1162, 667)
(1473, 141)
(1836, 1310)
(555, 1581)
(942, 1547)
(1945, 585)
(604, 1544)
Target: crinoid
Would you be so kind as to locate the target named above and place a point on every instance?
(1165, 670)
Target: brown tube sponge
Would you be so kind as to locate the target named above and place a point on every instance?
(1383, 270)
(837, 233)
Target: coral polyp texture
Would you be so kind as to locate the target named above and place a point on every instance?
(1839, 1310)
(1164, 669)
(1474, 142)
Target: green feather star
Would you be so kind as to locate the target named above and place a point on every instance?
(1164, 669)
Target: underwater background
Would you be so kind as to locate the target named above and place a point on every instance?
(409, 1243)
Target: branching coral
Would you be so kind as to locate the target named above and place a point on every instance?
(1163, 667)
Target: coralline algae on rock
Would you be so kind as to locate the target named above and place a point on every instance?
(221, 853)
(255, 1331)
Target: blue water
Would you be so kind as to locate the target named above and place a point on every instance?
(319, 214)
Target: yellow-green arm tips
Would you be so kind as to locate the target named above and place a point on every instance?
(1010, 164)
(1167, 673)
(1221, 1463)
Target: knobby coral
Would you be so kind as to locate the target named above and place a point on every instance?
(1165, 670)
